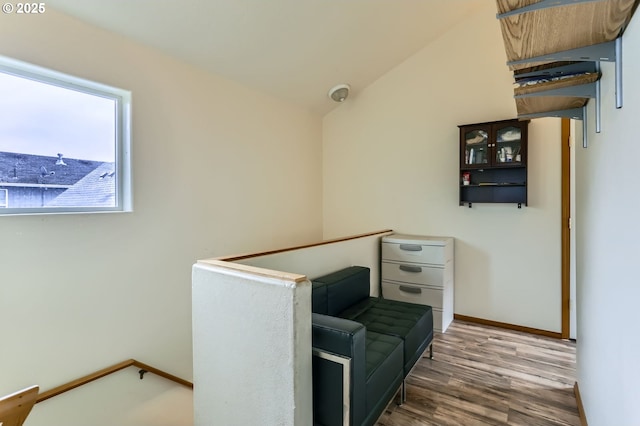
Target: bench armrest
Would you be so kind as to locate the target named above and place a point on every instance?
(338, 399)
(340, 336)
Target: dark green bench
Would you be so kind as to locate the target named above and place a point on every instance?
(375, 341)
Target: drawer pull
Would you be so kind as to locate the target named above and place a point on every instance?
(412, 290)
(410, 247)
(407, 268)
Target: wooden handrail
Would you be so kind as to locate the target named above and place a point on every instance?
(235, 258)
(105, 372)
(164, 374)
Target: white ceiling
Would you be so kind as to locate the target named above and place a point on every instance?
(294, 49)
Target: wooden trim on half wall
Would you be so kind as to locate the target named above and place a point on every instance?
(237, 257)
(581, 413)
(508, 326)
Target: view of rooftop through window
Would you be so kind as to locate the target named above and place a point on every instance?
(60, 144)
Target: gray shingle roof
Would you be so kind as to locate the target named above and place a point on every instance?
(97, 189)
(37, 169)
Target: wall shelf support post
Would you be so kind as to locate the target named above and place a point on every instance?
(584, 126)
(598, 106)
(618, 62)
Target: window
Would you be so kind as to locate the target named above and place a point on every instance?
(64, 143)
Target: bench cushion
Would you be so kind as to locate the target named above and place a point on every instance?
(384, 372)
(410, 322)
(345, 288)
(318, 298)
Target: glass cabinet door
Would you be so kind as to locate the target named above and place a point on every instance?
(508, 148)
(493, 162)
(476, 147)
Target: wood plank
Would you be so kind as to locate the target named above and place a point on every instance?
(237, 257)
(15, 408)
(483, 375)
(548, 103)
(254, 270)
(84, 380)
(557, 29)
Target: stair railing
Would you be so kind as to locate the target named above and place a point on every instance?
(144, 368)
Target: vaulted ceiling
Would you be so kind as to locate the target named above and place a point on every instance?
(294, 49)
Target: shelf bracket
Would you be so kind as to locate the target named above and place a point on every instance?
(588, 90)
(574, 68)
(574, 113)
(542, 4)
(591, 90)
(610, 51)
(597, 52)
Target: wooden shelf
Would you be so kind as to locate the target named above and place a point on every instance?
(557, 29)
(536, 40)
(543, 97)
(547, 86)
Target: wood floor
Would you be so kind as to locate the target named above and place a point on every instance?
(483, 375)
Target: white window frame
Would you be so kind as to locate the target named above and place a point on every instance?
(124, 187)
(4, 198)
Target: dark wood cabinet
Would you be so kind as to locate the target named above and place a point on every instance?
(493, 162)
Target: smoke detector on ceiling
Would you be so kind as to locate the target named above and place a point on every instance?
(340, 92)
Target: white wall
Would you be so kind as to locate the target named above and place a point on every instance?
(252, 346)
(217, 168)
(391, 161)
(608, 250)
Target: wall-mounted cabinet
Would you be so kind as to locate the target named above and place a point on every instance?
(493, 162)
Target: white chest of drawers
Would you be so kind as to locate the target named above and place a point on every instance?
(419, 269)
